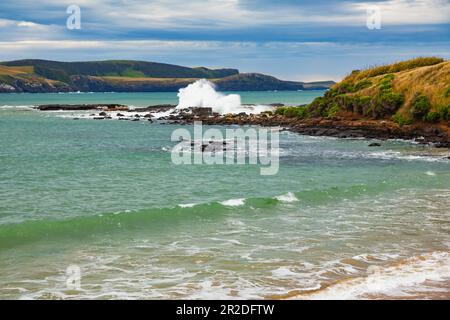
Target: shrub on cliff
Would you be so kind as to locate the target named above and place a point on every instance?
(401, 120)
(420, 106)
(363, 105)
(362, 85)
(319, 107)
(447, 93)
(432, 116)
(345, 87)
(280, 111)
(444, 112)
(293, 112)
(348, 87)
(333, 111)
(386, 83)
(386, 103)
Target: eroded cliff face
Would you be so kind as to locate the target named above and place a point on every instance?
(33, 86)
(106, 84)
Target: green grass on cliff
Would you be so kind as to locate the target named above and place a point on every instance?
(62, 71)
(405, 92)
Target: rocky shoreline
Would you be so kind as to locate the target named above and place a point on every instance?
(425, 133)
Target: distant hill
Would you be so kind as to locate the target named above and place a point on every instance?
(62, 71)
(130, 76)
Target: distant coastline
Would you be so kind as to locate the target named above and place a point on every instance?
(44, 76)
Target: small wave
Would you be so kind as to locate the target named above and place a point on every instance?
(233, 202)
(395, 155)
(289, 197)
(22, 231)
(187, 205)
(24, 107)
(162, 114)
(283, 272)
(403, 279)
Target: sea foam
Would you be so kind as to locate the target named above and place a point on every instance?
(233, 202)
(289, 197)
(203, 93)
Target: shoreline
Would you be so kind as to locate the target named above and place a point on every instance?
(437, 134)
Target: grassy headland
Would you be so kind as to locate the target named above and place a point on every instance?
(406, 92)
(130, 76)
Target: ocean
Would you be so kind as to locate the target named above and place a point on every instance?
(339, 220)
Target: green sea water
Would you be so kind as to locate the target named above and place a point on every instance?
(340, 219)
(143, 99)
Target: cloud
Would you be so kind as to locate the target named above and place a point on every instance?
(121, 16)
(407, 12)
(14, 30)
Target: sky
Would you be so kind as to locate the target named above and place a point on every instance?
(306, 40)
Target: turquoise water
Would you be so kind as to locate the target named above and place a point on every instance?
(340, 219)
(143, 99)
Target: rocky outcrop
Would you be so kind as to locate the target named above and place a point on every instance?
(438, 134)
(81, 107)
(337, 127)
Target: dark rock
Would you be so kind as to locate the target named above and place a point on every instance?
(442, 145)
(197, 111)
(78, 107)
(375, 144)
(120, 115)
(156, 108)
(103, 114)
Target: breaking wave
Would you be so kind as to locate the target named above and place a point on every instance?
(202, 93)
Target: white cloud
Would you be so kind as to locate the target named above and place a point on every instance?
(20, 30)
(125, 16)
(409, 12)
(211, 14)
(28, 24)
